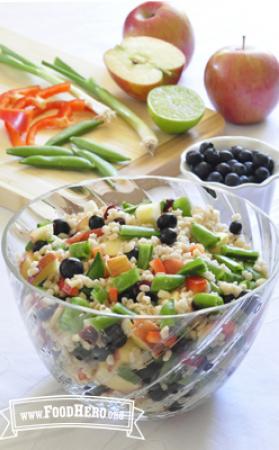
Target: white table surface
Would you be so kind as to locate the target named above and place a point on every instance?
(245, 412)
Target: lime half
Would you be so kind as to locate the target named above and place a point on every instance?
(175, 109)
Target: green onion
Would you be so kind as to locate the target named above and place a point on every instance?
(147, 136)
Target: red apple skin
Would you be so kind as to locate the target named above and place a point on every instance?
(140, 92)
(162, 21)
(243, 85)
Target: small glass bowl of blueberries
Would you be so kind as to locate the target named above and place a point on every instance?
(231, 166)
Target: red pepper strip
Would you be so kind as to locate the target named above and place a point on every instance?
(17, 118)
(78, 105)
(83, 236)
(53, 121)
(29, 101)
(71, 291)
(54, 90)
(14, 135)
(9, 97)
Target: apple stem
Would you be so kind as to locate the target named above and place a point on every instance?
(243, 42)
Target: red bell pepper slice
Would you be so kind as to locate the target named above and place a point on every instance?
(196, 284)
(55, 89)
(70, 291)
(17, 118)
(83, 236)
(14, 135)
(53, 121)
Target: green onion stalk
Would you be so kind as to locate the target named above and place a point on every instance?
(148, 138)
(12, 59)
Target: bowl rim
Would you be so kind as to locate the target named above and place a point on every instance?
(187, 172)
(14, 268)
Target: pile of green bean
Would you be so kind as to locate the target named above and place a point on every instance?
(82, 155)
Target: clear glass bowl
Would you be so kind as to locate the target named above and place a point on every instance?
(204, 347)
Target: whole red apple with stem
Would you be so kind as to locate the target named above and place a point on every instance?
(162, 21)
(243, 83)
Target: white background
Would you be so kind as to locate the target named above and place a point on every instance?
(245, 412)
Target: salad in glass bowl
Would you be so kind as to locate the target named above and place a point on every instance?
(151, 288)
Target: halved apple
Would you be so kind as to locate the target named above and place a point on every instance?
(141, 63)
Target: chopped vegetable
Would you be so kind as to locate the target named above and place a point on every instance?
(99, 294)
(132, 231)
(102, 322)
(157, 266)
(126, 280)
(239, 253)
(184, 204)
(230, 263)
(166, 282)
(97, 268)
(80, 250)
(197, 266)
(203, 235)
(113, 294)
(207, 300)
(118, 308)
(173, 266)
(196, 284)
(71, 319)
(118, 264)
(168, 309)
(145, 255)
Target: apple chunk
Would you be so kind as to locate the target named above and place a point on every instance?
(139, 64)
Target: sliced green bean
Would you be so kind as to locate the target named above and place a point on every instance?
(104, 151)
(43, 150)
(58, 162)
(166, 282)
(80, 250)
(132, 231)
(216, 270)
(126, 280)
(78, 129)
(99, 294)
(239, 253)
(97, 268)
(145, 255)
(215, 287)
(230, 263)
(118, 308)
(104, 167)
(168, 309)
(184, 204)
(203, 235)
(102, 322)
(197, 266)
(204, 300)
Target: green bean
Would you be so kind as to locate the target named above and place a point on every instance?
(239, 253)
(78, 129)
(132, 231)
(118, 308)
(58, 162)
(216, 270)
(99, 293)
(204, 300)
(104, 167)
(168, 309)
(184, 204)
(145, 255)
(215, 287)
(43, 150)
(102, 322)
(194, 267)
(106, 152)
(71, 319)
(97, 268)
(166, 282)
(230, 263)
(203, 235)
(126, 280)
(80, 250)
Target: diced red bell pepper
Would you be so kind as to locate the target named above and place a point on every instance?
(157, 266)
(17, 118)
(196, 284)
(70, 291)
(113, 294)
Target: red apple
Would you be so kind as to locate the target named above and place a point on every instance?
(162, 21)
(243, 83)
(141, 63)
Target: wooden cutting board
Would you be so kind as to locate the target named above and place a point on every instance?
(19, 184)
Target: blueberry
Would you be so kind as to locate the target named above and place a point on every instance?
(215, 176)
(70, 267)
(120, 220)
(96, 353)
(166, 221)
(223, 168)
(261, 174)
(46, 313)
(232, 179)
(232, 162)
(249, 167)
(38, 245)
(245, 155)
(132, 293)
(204, 146)
(244, 179)
(151, 372)
(225, 155)
(251, 179)
(239, 168)
(235, 227)
(202, 170)
(153, 297)
(96, 222)
(194, 157)
(133, 253)
(211, 156)
(236, 149)
(175, 407)
(270, 165)
(168, 236)
(259, 159)
(156, 393)
(228, 298)
(115, 336)
(60, 226)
